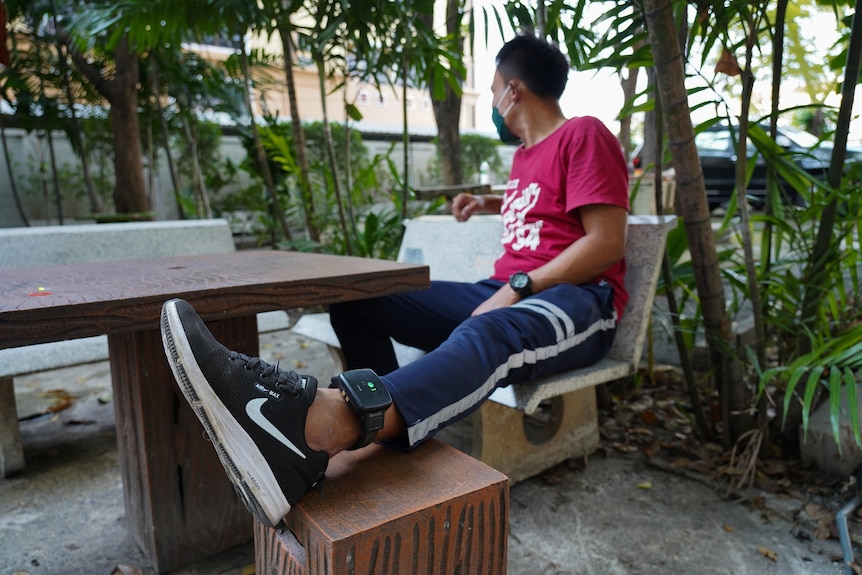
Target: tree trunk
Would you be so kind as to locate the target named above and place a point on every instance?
(692, 203)
(198, 184)
(348, 162)
(405, 138)
(651, 147)
(330, 151)
(447, 112)
(777, 67)
(738, 396)
(628, 83)
(284, 29)
(747, 78)
(259, 152)
(130, 193)
(166, 136)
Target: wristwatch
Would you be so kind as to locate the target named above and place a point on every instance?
(366, 394)
(521, 283)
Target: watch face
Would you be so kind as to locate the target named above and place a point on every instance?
(364, 389)
(520, 280)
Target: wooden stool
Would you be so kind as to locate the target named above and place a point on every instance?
(432, 510)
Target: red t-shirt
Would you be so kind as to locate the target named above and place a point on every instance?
(581, 163)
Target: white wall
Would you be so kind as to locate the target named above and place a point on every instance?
(27, 150)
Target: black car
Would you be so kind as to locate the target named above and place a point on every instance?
(717, 152)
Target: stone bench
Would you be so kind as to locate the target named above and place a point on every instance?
(64, 245)
(566, 401)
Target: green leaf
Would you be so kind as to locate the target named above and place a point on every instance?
(835, 405)
(795, 376)
(353, 112)
(810, 388)
(852, 406)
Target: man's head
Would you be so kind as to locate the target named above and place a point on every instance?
(530, 78)
(539, 65)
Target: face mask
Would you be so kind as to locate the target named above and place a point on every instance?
(506, 136)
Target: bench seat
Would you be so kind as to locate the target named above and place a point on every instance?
(528, 398)
(466, 252)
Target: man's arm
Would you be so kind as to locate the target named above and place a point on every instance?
(603, 245)
(465, 205)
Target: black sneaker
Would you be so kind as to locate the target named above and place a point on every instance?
(254, 414)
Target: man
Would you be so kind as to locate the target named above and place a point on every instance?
(552, 305)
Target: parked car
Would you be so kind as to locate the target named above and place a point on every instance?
(717, 153)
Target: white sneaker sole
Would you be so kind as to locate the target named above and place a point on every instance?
(245, 465)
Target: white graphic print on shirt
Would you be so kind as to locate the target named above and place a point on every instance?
(517, 233)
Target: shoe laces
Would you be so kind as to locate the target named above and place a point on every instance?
(287, 380)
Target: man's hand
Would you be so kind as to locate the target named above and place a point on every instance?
(503, 297)
(465, 205)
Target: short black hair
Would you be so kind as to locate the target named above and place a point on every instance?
(537, 63)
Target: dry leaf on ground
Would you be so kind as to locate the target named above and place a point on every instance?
(60, 400)
(823, 519)
(768, 553)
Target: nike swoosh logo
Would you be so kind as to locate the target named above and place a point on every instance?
(253, 409)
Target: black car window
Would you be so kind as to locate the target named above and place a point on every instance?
(713, 141)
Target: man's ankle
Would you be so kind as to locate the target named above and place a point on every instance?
(331, 425)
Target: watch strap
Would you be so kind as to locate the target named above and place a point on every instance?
(370, 419)
(369, 425)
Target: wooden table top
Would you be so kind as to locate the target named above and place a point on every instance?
(50, 303)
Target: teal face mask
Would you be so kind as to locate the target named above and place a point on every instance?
(506, 136)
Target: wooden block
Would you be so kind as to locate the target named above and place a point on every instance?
(432, 510)
(11, 451)
(500, 441)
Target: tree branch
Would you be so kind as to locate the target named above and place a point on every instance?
(103, 86)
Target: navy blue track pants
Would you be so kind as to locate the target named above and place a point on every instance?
(559, 329)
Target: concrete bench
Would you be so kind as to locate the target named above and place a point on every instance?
(466, 252)
(63, 245)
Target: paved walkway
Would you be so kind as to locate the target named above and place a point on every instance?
(618, 515)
